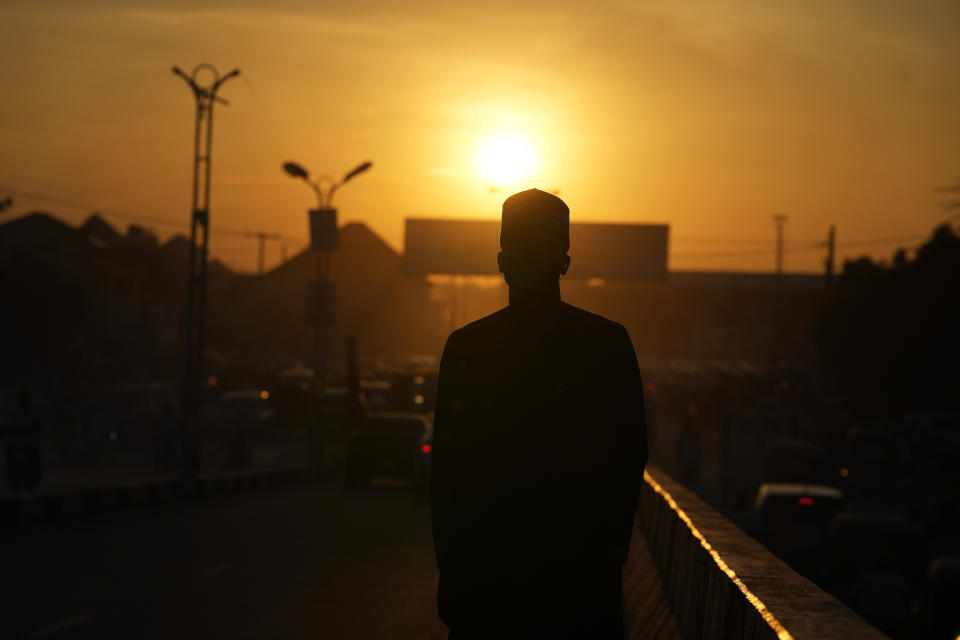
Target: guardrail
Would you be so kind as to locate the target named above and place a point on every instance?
(720, 583)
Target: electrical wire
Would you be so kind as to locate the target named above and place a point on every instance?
(881, 241)
(709, 240)
(73, 204)
(790, 248)
(738, 254)
(134, 217)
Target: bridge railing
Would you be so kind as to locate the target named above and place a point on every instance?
(720, 583)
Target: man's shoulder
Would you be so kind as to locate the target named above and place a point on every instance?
(479, 329)
(592, 322)
(576, 321)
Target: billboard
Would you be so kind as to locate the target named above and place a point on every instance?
(469, 247)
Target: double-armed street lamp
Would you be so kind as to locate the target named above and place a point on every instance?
(206, 96)
(323, 240)
(323, 185)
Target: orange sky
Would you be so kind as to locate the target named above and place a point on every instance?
(708, 116)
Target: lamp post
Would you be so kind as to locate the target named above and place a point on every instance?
(323, 240)
(205, 96)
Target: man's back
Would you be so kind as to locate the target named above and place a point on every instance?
(539, 449)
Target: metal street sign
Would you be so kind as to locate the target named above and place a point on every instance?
(323, 230)
(469, 247)
(321, 297)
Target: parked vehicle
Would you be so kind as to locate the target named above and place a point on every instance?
(792, 521)
(943, 594)
(242, 409)
(384, 444)
(877, 565)
(376, 395)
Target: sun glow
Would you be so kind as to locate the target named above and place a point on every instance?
(506, 157)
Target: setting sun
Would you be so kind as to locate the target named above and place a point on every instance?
(506, 157)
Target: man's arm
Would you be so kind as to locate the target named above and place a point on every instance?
(631, 439)
(441, 497)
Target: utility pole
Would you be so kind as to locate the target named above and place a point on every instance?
(779, 220)
(197, 273)
(262, 237)
(828, 263)
(454, 291)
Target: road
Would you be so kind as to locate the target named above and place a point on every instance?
(305, 562)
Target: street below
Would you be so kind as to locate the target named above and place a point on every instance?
(302, 562)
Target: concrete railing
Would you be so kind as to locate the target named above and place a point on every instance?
(720, 583)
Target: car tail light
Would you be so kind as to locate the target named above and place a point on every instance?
(807, 502)
(425, 447)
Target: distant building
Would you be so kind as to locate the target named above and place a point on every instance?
(141, 236)
(728, 318)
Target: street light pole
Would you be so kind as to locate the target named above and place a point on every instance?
(320, 294)
(323, 240)
(197, 273)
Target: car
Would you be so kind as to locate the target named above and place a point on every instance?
(384, 444)
(943, 593)
(242, 409)
(375, 394)
(858, 541)
(877, 565)
(792, 521)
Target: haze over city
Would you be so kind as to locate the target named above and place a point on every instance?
(610, 320)
(710, 117)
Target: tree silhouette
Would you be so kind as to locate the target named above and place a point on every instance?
(887, 335)
(952, 206)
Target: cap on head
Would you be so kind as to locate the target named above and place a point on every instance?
(534, 216)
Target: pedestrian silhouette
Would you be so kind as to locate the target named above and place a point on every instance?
(538, 452)
(24, 456)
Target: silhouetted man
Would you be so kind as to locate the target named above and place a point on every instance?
(539, 450)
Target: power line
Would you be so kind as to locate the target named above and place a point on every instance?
(881, 241)
(741, 242)
(89, 208)
(169, 222)
(127, 215)
(875, 242)
(709, 240)
(745, 253)
(262, 237)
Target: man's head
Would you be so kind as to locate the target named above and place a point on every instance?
(534, 240)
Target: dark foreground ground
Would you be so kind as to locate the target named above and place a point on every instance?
(306, 562)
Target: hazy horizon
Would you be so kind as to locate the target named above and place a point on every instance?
(710, 118)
